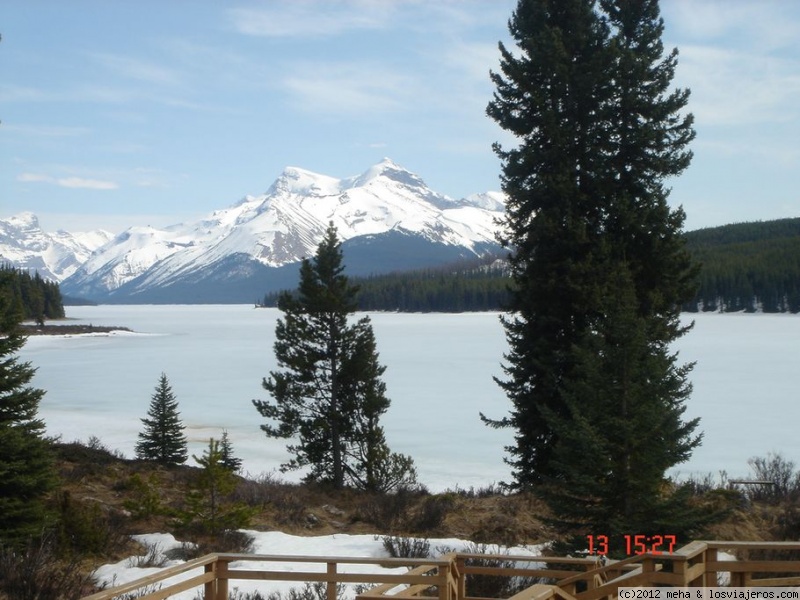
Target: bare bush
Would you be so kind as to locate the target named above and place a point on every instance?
(152, 557)
(492, 586)
(432, 512)
(388, 510)
(405, 547)
(784, 479)
(37, 573)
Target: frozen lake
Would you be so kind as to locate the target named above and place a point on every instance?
(439, 376)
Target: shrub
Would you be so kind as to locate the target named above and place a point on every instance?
(432, 512)
(388, 510)
(83, 527)
(492, 586)
(488, 491)
(36, 573)
(237, 542)
(778, 470)
(152, 557)
(146, 501)
(404, 547)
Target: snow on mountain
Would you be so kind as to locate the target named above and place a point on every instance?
(384, 205)
(55, 256)
(487, 200)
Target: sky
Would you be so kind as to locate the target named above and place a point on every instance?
(151, 113)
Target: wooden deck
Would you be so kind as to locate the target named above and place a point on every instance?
(451, 577)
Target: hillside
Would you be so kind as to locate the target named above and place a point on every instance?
(32, 296)
(748, 266)
(744, 267)
(104, 498)
(92, 475)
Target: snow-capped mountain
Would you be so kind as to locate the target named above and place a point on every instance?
(55, 256)
(388, 218)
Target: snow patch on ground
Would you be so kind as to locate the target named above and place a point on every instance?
(156, 545)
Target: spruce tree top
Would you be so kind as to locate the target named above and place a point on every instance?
(162, 439)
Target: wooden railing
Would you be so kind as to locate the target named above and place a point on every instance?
(215, 571)
(697, 564)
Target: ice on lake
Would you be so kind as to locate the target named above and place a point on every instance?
(439, 377)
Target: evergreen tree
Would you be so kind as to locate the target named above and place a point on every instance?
(622, 431)
(548, 97)
(37, 299)
(162, 439)
(26, 463)
(369, 463)
(328, 394)
(207, 506)
(227, 458)
(598, 262)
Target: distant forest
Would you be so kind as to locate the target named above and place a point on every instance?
(35, 298)
(748, 266)
(744, 267)
(475, 285)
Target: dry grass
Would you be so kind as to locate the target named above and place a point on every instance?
(121, 486)
(485, 516)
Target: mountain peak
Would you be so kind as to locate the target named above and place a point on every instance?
(24, 221)
(387, 169)
(302, 181)
(54, 256)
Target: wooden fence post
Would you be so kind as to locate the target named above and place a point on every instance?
(331, 588)
(710, 578)
(444, 582)
(210, 587)
(461, 579)
(222, 579)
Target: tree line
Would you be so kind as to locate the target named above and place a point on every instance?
(34, 297)
(747, 267)
(743, 267)
(476, 285)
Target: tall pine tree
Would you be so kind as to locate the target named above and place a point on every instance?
(548, 97)
(26, 463)
(162, 440)
(597, 260)
(328, 394)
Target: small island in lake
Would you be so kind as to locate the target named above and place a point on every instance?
(32, 329)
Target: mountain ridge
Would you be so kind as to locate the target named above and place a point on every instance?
(397, 220)
(55, 256)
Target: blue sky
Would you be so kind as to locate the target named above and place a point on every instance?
(150, 112)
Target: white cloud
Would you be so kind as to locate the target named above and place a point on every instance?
(769, 151)
(21, 93)
(137, 69)
(767, 24)
(47, 130)
(34, 178)
(304, 18)
(89, 184)
(739, 58)
(350, 88)
(68, 182)
(473, 59)
(731, 87)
